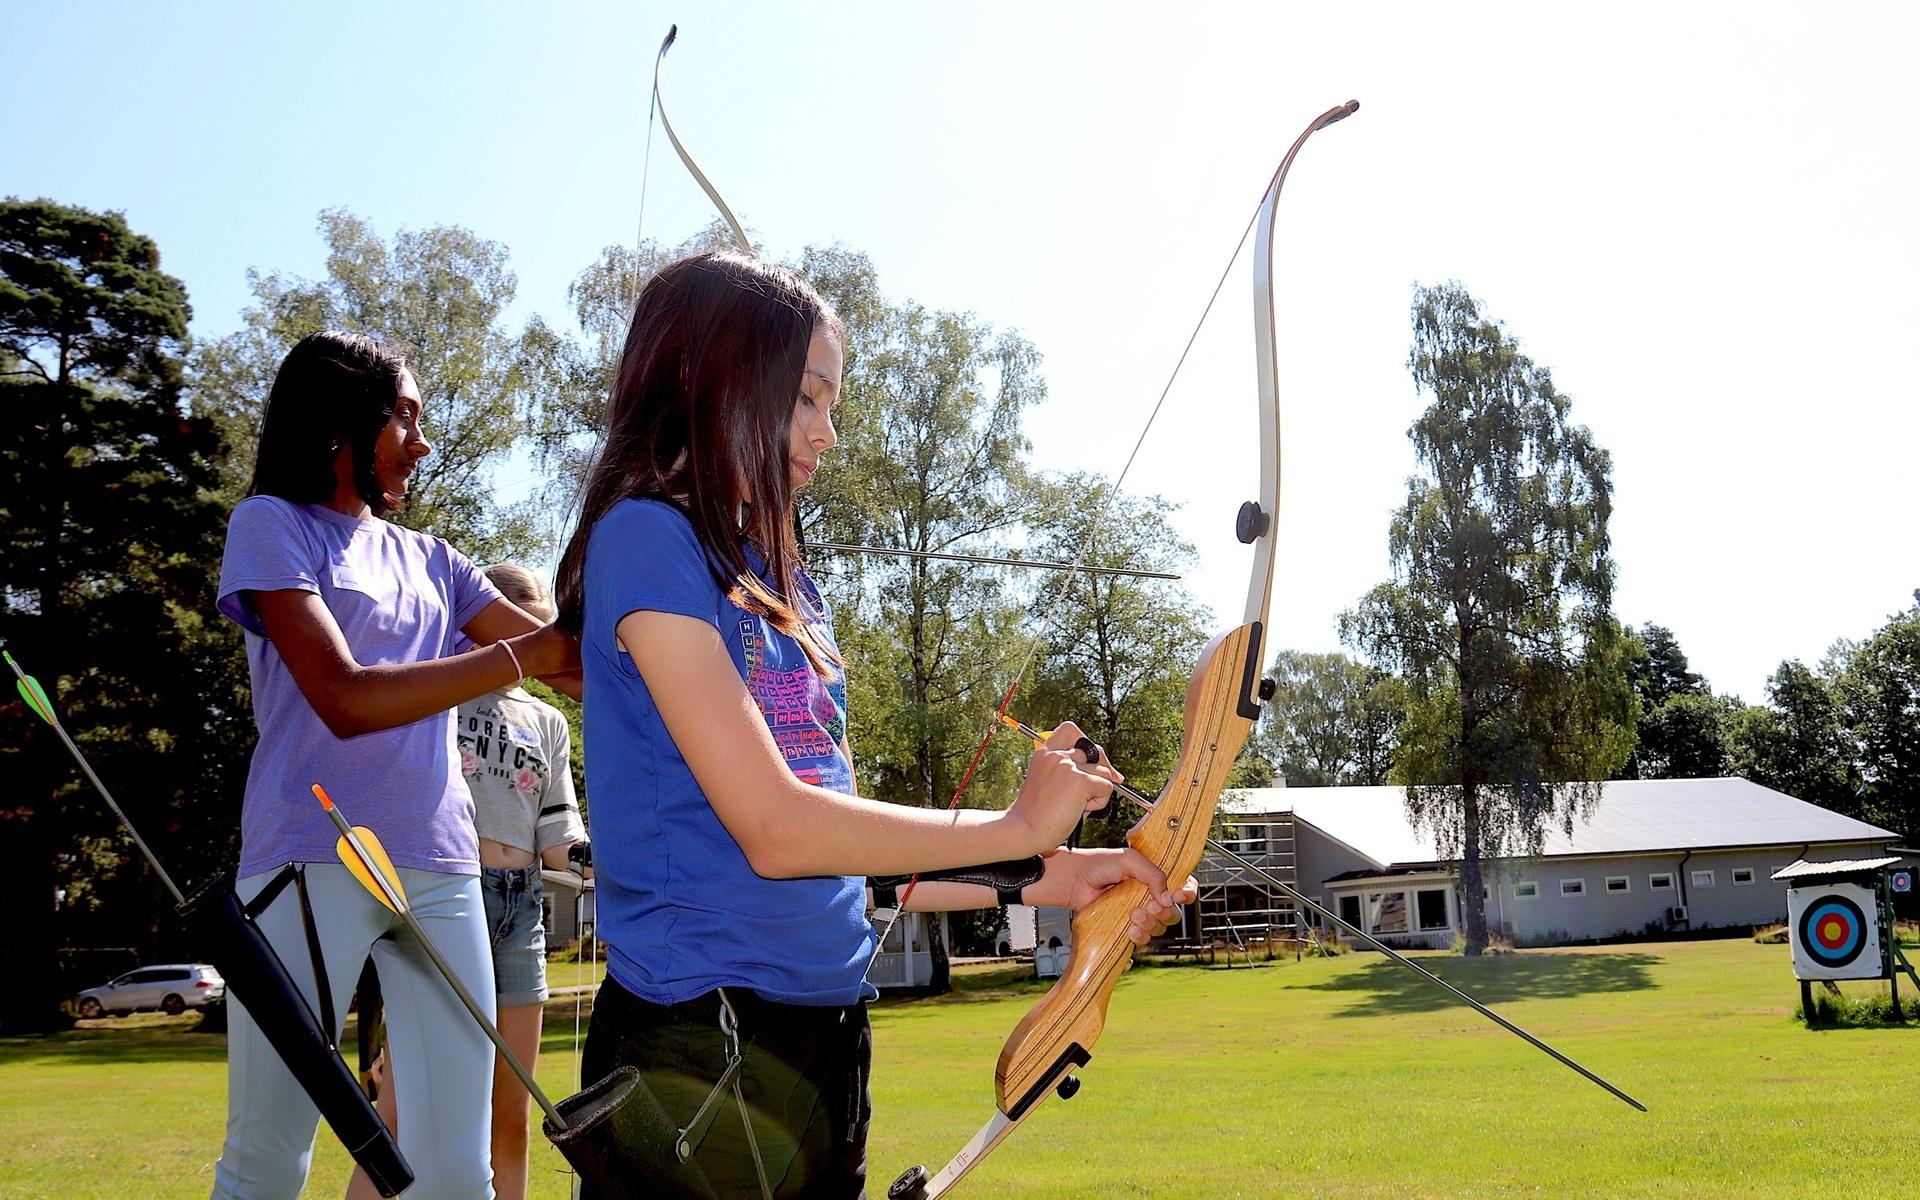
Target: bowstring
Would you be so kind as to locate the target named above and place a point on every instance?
(554, 552)
(1049, 618)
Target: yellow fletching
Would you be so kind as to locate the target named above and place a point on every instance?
(378, 854)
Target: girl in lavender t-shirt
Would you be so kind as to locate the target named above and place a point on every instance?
(350, 623)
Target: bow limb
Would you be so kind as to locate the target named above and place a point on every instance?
(1223, 701)
(713, 193)
(1255, 523)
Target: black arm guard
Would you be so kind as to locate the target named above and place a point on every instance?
(1005, 878)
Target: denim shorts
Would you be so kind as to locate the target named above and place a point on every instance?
(513, 926)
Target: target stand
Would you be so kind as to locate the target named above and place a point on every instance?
(1840, 924)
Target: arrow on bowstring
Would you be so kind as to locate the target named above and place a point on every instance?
(1145, 805)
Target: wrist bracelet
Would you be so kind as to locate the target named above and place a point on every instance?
(518, 674)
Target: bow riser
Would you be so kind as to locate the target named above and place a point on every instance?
(1059, 1033)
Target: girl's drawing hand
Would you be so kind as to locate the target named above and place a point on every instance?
(1061, 787)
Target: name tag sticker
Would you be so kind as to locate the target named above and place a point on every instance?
(523, 736)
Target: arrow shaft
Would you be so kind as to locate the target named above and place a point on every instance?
(988, 560)
(86, 768)
(400, 905)
(1293, 894)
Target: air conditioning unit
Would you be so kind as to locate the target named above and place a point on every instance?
(1677, 915)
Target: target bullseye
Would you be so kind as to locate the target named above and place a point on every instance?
(1834, 931)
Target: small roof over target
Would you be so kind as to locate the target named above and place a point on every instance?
(1802, 869)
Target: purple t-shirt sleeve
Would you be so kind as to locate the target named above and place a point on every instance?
(268, 550)
(472, 590)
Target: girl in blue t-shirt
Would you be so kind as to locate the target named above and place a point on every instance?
(731, 845)
(350, 623)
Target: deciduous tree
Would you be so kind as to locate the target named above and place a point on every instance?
(1333, 721)
(1879, 695)
(1799, 744)
(1499, 617)
(444, 292)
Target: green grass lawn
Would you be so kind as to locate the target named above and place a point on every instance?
(1327, 1078)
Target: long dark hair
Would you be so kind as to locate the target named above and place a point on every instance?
(700, 416)
(333, 389)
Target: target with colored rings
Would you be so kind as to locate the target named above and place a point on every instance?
(1833, 931)
(1901, 880)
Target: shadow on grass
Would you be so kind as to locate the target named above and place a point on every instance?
(1384, 987)
(180, 1042)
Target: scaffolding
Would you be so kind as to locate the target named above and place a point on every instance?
(1235, 907)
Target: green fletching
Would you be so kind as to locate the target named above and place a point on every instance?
(32, 692)
(36, 697)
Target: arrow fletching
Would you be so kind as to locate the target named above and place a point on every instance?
(31, 691)
(362, 854)
(358, 866)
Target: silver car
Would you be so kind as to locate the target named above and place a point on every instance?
(172, 989)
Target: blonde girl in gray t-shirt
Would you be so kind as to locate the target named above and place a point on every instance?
(515, 752)
(515, 755)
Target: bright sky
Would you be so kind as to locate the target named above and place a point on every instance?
(1701, 218)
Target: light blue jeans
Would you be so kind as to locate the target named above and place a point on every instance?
(442, 1065)
(519, 940)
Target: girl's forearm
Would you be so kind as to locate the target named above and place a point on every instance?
(388, 695)
(943, 895)
(811, 830)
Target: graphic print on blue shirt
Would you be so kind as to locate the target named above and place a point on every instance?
(681, 910)
(807, 720)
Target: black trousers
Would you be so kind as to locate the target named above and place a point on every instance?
(804, 1075)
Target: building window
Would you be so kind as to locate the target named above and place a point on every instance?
(1742, 875)
(1386, 912)
(1660, 881)
(1526, 891)
(1350, 910)
(1430, 906)
(1702, 879)
(1573, 887)
(1618, 883)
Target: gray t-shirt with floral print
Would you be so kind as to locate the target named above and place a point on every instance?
(514, 754)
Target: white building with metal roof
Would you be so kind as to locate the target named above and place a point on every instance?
(1654, 856)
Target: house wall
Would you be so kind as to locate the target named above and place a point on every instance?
(562, 903)
(1551, 916)
(1319, 859)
